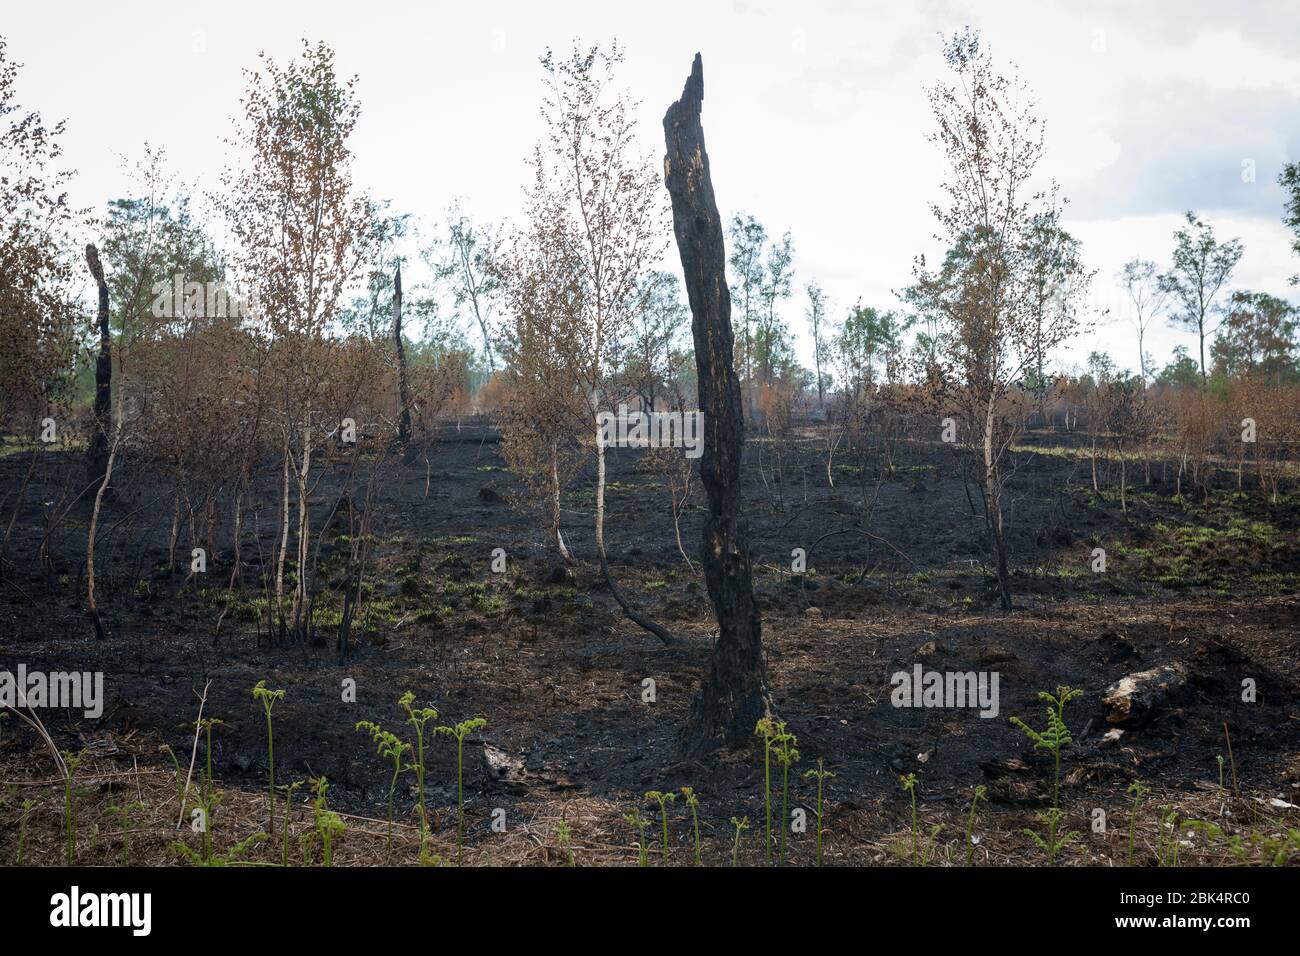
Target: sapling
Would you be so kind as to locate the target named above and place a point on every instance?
(663, 799)
(787, 756)
(460, 732)
(418, 718)
(387, 745)
(639, 823)
(909, 784)
(766, 728)
(1137, 791)
(1054, 739)
(269, 698)
(564, 837)
(821, 775)
(981, 792)
(693, 802)
(741, 825)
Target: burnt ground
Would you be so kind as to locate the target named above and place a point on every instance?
(545, 656)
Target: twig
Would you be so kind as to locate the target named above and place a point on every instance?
(203, 699)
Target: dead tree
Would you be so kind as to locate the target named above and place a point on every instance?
(97, 452)
(734, 695)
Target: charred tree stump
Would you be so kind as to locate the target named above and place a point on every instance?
(97, 452)
(734, 695)
(1136, 698)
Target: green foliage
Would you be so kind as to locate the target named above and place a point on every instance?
(231, 857)
(564, 836)
(1273, 849)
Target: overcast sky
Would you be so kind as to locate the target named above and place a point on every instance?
(815, 112)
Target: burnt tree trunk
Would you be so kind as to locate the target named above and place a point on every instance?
(97, 453)
(734, 695)
(403, 390)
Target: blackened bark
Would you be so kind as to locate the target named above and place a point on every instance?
(734, 695)
(97, 453)
(403, 390)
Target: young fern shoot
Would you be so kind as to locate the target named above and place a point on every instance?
(693, 802)
(391, 747)
(741, 824)
(418, 718)
(460, 732)
(766, 728)
(639, 823)
(821, 775)
(981, 792)
(663, 799)
(909, 784)
(71, 761)
(269, 699)
(1055, 738)
(787, 756)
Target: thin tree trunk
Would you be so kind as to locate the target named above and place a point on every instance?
(284, 539)
(734, 694)
(97, 452)
(555, 509)
(993, 510)
(92, 608)
(403, 390)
